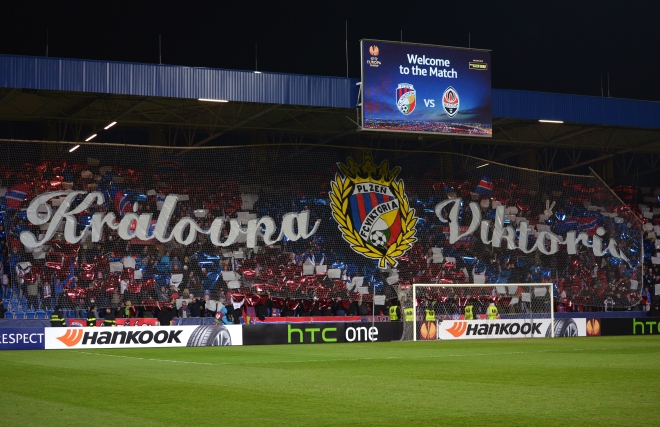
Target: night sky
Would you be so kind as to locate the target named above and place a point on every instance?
(558, 46)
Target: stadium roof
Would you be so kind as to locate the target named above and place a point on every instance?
(72, 99)
(169, 81)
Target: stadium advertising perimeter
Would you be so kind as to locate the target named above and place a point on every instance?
(425, 89)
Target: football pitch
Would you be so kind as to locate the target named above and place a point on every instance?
(564, 381)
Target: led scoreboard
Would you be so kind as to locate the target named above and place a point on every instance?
(425, 89)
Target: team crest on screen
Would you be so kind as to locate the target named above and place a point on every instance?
(372, 210)
(450, 101)
(406, 98)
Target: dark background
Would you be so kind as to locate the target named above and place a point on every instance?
(559, 46)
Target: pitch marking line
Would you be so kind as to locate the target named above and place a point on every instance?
(439, 356)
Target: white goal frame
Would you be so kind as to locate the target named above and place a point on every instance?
(483, 285)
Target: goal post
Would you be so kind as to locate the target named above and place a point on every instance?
(478, 311)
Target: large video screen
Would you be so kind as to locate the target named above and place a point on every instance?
(425, 89)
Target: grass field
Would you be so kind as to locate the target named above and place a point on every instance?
(566, 382)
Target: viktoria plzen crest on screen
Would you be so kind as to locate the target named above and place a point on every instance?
(406, 98)
(372, 210)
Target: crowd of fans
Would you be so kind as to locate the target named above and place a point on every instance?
(276, 280)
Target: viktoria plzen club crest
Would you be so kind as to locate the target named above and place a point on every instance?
(406, 98)
(372, 210)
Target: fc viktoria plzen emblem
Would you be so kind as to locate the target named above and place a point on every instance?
(406, 98)
(372, 211)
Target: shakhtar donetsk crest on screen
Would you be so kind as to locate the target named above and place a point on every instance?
(406, 98)
(450, 101)
(372, 210)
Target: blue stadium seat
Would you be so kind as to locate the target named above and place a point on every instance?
(40, 314)
(30, 314)
(19, 314)
(9, 315)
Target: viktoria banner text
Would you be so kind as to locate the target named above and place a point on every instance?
(546, 241)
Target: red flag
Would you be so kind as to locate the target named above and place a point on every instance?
(122, 203)
(16, 195)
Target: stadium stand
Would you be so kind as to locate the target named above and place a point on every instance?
(298, 278)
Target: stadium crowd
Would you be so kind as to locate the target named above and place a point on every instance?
(316, 276)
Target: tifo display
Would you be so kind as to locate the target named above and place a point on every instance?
(126, 232)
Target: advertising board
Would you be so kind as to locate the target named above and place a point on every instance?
(143, 336)
(629, 326)
(509, 328)
(22, 339)
(313, 333)
(425, 89)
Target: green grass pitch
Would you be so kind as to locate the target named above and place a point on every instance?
(611, 381)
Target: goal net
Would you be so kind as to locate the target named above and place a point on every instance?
(478, 311)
